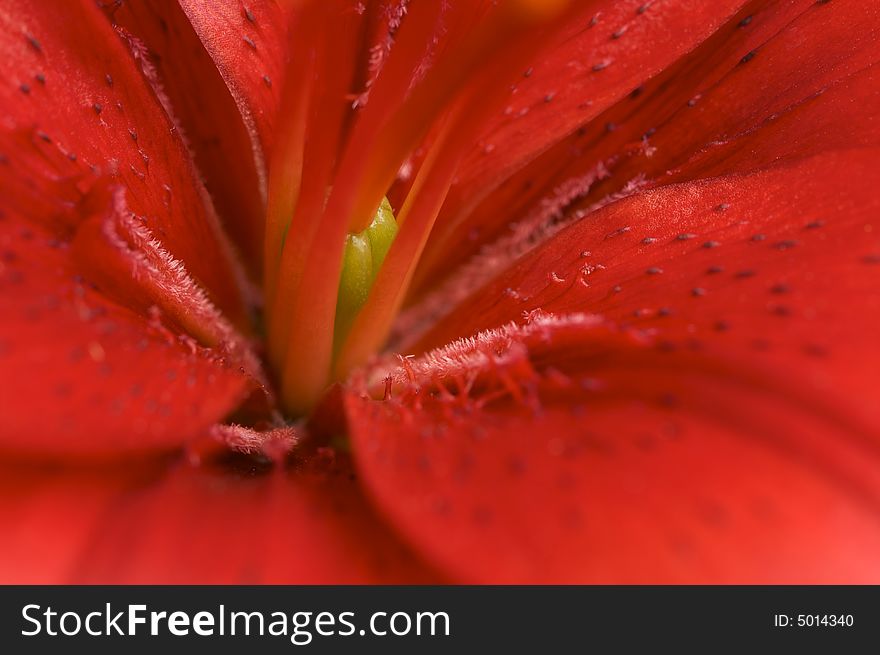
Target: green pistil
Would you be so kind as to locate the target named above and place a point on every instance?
(364, 254)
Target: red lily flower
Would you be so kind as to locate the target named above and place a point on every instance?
(632, 266)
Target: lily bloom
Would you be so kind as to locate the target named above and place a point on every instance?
(398, 291)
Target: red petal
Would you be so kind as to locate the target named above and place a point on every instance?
(766, 62)
(51, 514)
(609, 49)
(246, 42)
(589, 69)
(227, 149)
(87, 376)
(741, 441)
(178, 523)
(774, 269)
(82, 92)
(565, 451)
(113, 345)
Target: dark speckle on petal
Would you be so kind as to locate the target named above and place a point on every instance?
(618, 232)
(761, 344)
(815, 350)
(780, 310)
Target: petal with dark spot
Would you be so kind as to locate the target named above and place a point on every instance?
(132, 140)
(568, 450)
(163, 521)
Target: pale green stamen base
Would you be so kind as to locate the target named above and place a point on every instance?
(363, 257)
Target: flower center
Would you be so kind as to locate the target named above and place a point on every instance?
(338, 262)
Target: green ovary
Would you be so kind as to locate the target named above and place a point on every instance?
(364, 254)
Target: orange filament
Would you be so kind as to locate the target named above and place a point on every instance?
(333, 165)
